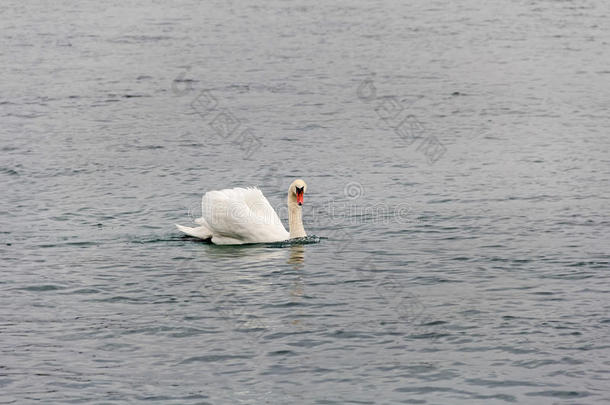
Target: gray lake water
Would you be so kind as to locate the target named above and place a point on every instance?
(457, 156)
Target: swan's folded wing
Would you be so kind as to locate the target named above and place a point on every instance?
(243, 214)
(259, 205)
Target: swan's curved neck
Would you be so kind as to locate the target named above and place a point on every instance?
(295, 218)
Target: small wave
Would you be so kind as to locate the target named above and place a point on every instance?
(559, 394)
(134, 95)
(149, 147)
(134, 39)
(8, 171)
(44, 287)
(297, 241)
(309, 127)
(214, 358)
(170, 239)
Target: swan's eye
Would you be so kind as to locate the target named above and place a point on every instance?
(299, 190)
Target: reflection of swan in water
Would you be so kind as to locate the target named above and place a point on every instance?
(245, 253)
(261, 255)
(297, 287)
(222, 266)
(225, 271)
(297, 256)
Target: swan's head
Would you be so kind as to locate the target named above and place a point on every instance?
(297, 189)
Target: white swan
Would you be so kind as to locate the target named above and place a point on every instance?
(243, 215)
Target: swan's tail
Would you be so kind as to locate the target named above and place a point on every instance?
(201, 232)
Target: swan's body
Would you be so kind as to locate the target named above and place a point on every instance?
(243, 215)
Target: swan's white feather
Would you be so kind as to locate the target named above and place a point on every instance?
(238, 216)
(200, 232)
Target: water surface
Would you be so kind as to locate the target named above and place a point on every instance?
(463, 257)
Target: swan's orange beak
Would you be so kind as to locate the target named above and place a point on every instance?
(300, 197)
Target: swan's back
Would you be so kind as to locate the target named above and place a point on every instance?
(241, 215)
